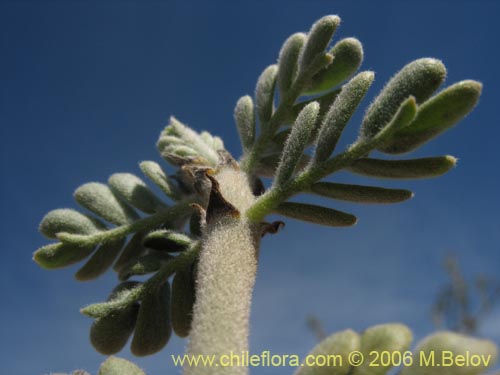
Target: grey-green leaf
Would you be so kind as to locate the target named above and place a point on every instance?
(335, 348)
(100, 261)
(58, 255)
(244, 116)
(183, 297)
(143, 265)
(99, 199)
(339, 115)
(132, 250)
(288, 62)
(153, 328)
(296, 143)
(347, 58)
(318, 39)
(167, 240)
(419, 79)
(435, 116)
(382, 338)
(156, 174)
(70, 221)
(360, 193)
(404, 169)
(446, 344)
(316, 214)
(136, 192)
(264, 93)
(119, 366)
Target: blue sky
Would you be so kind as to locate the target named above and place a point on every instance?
(86, 87)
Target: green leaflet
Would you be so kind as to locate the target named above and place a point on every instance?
(296, 143)
(339, 115)
(318, 39)
(99, 199)
(264, 94)
(347, 58)
(288, 62)
(380, 338)
(167, 240)
(244, 116)
(135, 192)
(119, 366)
(100, 261)
(70, 221)
(419, 79)
(268, 164)
(153, 328)
(58, 255)
(359, 193)
(183, 297)
(132, 250)
(458, 345)
(404, 169)
(435, 116)
(156, 174)
(143, 265)
(341, 344)
(316, 214)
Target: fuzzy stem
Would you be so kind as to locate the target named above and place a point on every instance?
(225, 279)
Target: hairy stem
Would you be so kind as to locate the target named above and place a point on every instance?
(225, 279)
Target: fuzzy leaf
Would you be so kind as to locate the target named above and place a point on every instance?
(99, 199)
(183, 296)
(380, 338)
(447, 343)
(100, 261)
(435, 116)
(143, 265)
(58, 255)
(316, 214)
(359, 193)
(347, 58)
(419, 79)
(136, 192)
(264, 93)
(153, 329)
(325, 102)
(339, 115)
(288, 62)
(339, 344)
(244, 116)
(318, 39)
(156, 174)
(119, 366)
(296, 143)
(109, 335)
(403, 169)
(69, 221)
(167, 240)
(132, 250)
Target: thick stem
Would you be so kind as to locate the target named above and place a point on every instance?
(226, 276)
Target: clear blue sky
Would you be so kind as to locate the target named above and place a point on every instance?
(86, 86)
